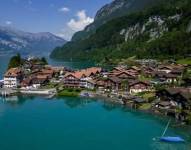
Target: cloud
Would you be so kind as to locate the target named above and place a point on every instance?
(75, 25)
(66, 33)
(8, 22)
(81, 22)
(64, 9)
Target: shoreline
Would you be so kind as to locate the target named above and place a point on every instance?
(100, 97)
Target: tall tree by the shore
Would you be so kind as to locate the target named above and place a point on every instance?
(15, 61)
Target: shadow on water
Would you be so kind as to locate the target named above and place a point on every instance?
(156, 145)
(73, 102)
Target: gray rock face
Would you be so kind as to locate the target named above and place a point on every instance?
(154, 27)
(116, 8)
(112, 7)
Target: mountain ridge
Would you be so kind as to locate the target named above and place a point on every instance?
(159, 32)
(14, 41)
(116, 8)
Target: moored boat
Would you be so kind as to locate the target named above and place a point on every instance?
(176, 139)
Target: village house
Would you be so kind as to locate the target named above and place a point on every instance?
(27, 82)
(108, 84)
(126, 75)
(148, 71)
(165, 68)
(177, 71)
(118, 69)
(172, 68)
(59, 71)
(88, 83)
(166, 78)
(82, 78)
(113, 83)
(135, 71)
(175, 98)
(71, 80)
(12, 78)
(49, 72)
(40, 80)
(138, 87)
(34, 81)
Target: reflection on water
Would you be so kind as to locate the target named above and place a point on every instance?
(16, 100)
(109, 106)
(156, 145)
(129, 123)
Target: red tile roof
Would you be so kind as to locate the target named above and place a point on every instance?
(13, 72)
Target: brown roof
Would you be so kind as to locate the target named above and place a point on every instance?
(164, 103)
(185, 92)
(119, 68)
(165, 67)
(128, 73)
(135, 68)
(91, 81)
(14, 72)
(164, 74)
(115, 79)
(85, 72)
(100, 82)
(41, 76)
(47, 71)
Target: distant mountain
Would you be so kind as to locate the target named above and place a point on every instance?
(14, 41)
(162, 31)
(115, 9)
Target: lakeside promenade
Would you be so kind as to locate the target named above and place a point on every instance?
(5, 92)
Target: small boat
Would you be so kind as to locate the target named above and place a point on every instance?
(176, 139)
(85, 94)
(173, 139)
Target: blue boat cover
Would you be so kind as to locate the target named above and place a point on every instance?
(172, 139)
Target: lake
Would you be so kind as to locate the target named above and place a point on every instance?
(37, 123)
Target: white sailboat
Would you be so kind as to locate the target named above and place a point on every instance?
(175, 139)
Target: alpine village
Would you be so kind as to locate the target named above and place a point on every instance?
(142, 61)
(149, 85)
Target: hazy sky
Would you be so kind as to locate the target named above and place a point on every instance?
(61, 17)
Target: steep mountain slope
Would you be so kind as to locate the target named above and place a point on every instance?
(115, 9)
(161, 31)
(12, 40)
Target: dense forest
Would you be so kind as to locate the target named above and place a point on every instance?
(163, 31)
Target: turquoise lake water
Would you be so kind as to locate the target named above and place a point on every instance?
(37, 123)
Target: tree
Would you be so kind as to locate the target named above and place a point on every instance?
(44, 61)
(15, 61)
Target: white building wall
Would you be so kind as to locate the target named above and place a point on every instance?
(10, 82)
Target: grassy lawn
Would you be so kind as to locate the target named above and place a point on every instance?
(146, 95)
(145, 106)
(184, 61)
(69, 93)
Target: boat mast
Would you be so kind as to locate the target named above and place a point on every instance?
(166, 128)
